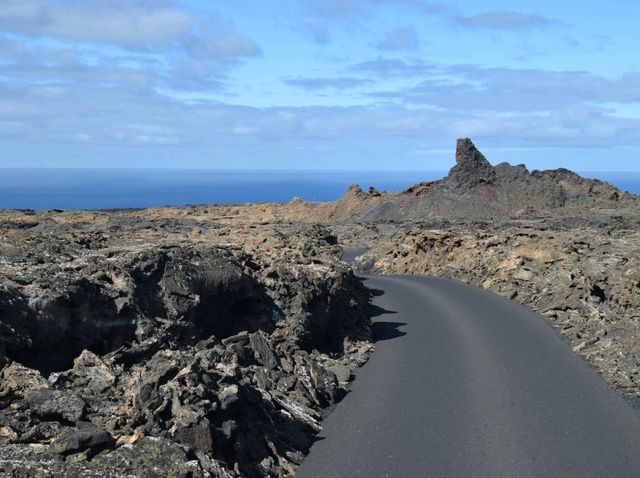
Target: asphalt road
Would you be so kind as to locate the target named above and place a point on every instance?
(466, 384)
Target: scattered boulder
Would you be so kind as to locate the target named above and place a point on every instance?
(84, 438)
(196, 436)
(55, 405)
(262, 350)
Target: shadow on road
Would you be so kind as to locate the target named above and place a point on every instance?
(387, 330)
(380, 330)
(383, 330)
(375, 292)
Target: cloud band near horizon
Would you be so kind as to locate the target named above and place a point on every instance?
(334, 84)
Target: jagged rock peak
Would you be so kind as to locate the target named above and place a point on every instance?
(472, 170)
(467, 153)
(355, 191)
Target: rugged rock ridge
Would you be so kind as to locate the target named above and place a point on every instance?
(129, 352)
(474, 189)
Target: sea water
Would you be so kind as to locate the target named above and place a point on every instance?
(125, 188)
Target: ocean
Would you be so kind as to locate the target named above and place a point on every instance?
(125, 188)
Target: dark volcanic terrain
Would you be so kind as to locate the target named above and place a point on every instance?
(476, 190)
(170, 348)
(210, 340)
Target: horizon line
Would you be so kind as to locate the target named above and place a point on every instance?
(276, 170)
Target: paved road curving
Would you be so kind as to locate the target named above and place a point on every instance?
(466, 384)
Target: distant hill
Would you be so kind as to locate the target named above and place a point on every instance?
(474, 189)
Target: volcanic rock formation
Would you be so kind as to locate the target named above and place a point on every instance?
(474, 189)
(472, 171)
(127, 350)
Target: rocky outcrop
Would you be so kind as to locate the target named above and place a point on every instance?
(129, 349)
(474, 189)
(472, 172)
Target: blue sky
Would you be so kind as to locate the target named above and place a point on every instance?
(318, 84)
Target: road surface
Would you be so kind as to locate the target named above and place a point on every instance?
(467, 384)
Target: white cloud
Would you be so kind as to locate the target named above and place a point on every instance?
(473, 88)
(401, 38)
(503, 20)
(130, 118)
(104, 90)
(138, 43)
(343, 83)
(108, 22)
(336, 9)
(390, 67)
